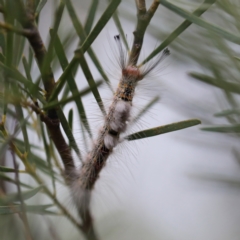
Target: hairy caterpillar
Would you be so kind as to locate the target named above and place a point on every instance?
(115, 123)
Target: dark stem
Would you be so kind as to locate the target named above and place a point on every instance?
(88, 225)
(143, 19)
(28, 22)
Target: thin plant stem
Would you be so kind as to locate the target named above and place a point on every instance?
(23, 214)
(143, 19)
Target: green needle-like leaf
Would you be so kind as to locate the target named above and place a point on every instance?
(30, 57)
(14, 197)
(227, 113)
(37, 209)
(40, 6)
(26, 68)
(48, 157)
(180, 29)
(19, 43)
(91, 15)
(68, 132)
(92, 83)
(74, 97)
(42, 165)
(99, 26)
(20, 144)
(227, 86)
(163, 129)
(71, 83)
(223, 129)
(15, 74)
(76, 23)
(202, 23)
(4, 177)
(82, 35)
(91, 37)
(19, 113)
(57, 20)
(70, 118)
(40, 209)
(6, 169)
(218, 179)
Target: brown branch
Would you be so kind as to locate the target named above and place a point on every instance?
(26, 18)
(88, 223)
(141, 6)
(30, 6)
(144, 17)
(53, 126)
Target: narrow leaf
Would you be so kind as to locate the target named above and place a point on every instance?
(20, 115)
(227, 86)
(227, 113)
(19, 43)
(70, 118)
(48, 156)
(202, 23)
(223, 180)
(4, 177)
(100, 25)
(15, 74)
(74, 97)
(37, 209)
(92, 83)
(42, 165)
(40, 6)
(90, 39)
(71, 83)
(68, 132)
(57, 20)
(163, 129)
(223, 129)
(90, 16)
(26, 68)
(6, 169)
(180, 29)
(14, 197)
(20, 144)
(82, 35)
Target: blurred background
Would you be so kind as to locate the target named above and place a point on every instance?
(179, 185)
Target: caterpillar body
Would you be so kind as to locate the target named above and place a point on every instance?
(115, 123)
